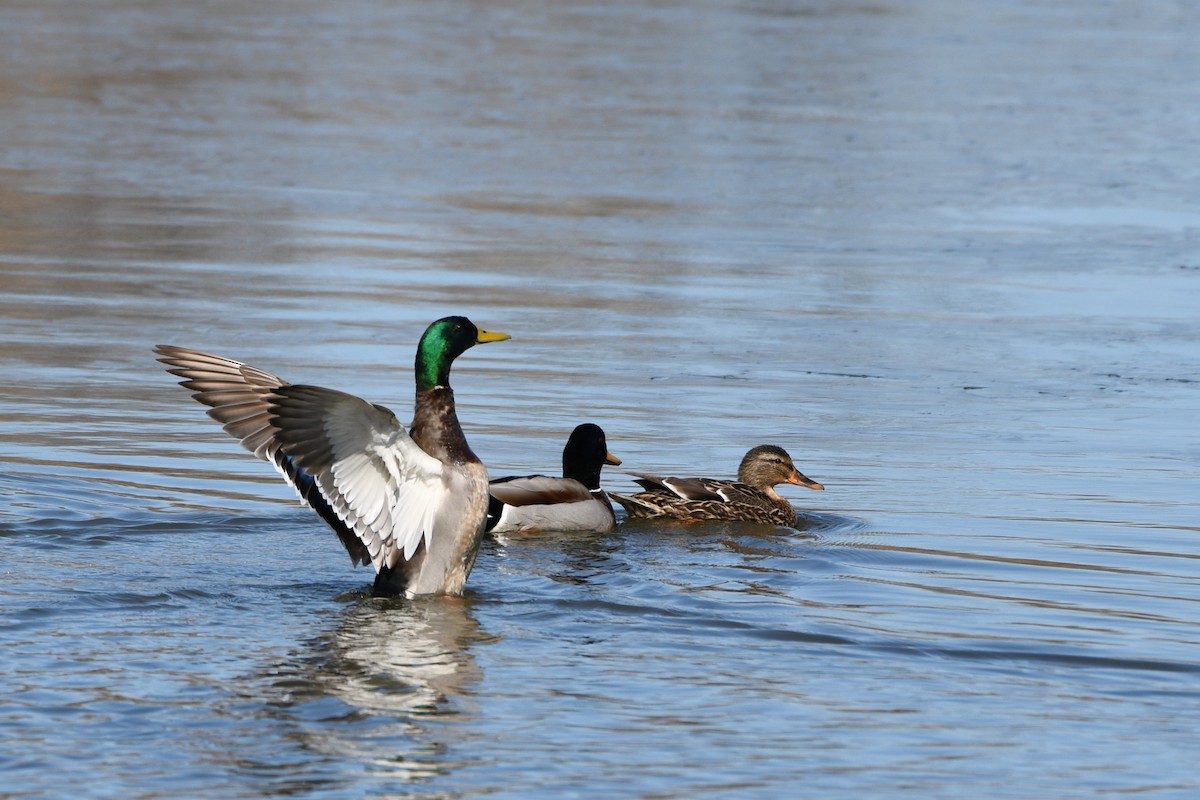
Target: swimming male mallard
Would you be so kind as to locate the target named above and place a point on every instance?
(751, 498)
(573, 502)
(412, 504)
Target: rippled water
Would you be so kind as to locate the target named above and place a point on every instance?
(945, 253)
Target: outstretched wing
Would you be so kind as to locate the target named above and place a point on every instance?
(352, 461)
(236, 394)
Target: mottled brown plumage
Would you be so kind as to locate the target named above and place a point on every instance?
(751, 498)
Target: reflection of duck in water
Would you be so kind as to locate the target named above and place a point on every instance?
(574, 502)
(402, 657)
(395, 669)
(411, 505)
(751, 498)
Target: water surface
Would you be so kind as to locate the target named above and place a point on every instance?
(946, 255)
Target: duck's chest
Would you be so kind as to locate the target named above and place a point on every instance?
(436, 430)
(458, 531)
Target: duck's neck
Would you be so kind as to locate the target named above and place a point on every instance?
(776, 497)
(435, 426)
(432, 370)
(588, 476)
(591, 480)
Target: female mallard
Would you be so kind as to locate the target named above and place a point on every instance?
(573, 502)
(411, 503)
(752, 498)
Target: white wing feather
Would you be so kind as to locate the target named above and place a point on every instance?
(374, 477)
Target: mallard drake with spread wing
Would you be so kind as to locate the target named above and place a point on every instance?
(573, 502)
(412, 503)
(751, 498)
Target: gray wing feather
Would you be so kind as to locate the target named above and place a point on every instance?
(538, 490)
(363, 462)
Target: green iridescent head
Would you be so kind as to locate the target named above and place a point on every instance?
(444, 341)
